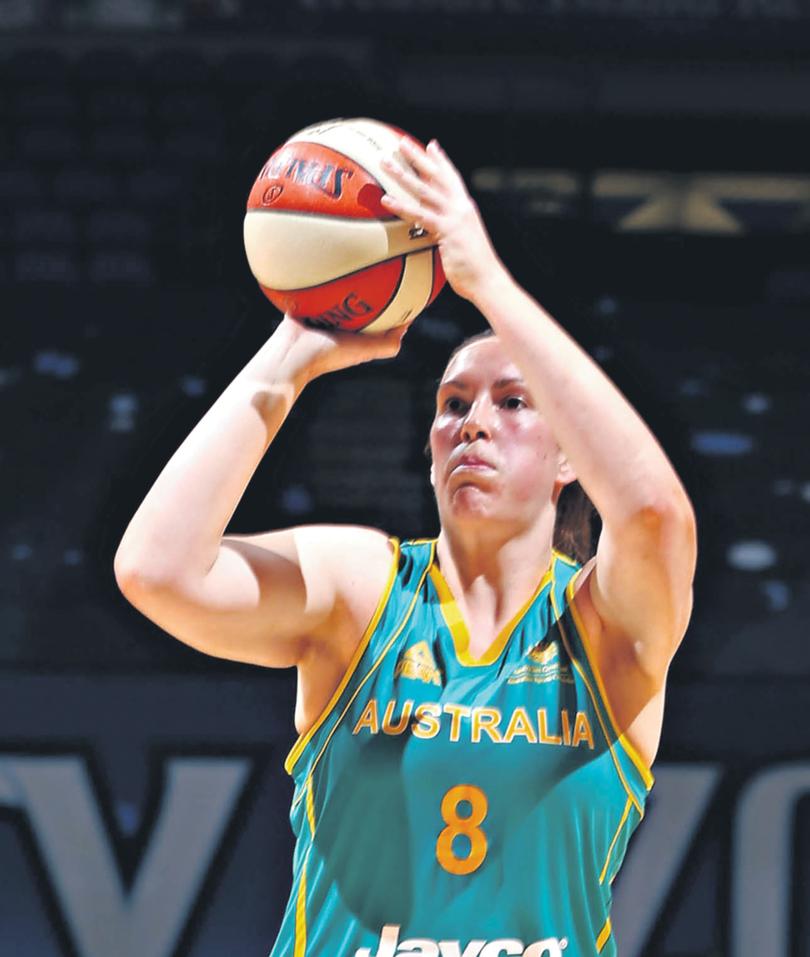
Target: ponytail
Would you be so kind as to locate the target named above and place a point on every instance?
(573, 531)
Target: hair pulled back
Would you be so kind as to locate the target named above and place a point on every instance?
(573, 531)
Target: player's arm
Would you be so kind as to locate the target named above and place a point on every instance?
(641, 581)
(271, 598)
(252, 598)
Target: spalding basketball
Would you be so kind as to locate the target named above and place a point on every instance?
(319, 242)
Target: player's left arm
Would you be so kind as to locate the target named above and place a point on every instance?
(640, 583)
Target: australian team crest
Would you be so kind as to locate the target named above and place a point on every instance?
(544, 652)
(541, 664)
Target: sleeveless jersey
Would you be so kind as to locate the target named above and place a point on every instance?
(447, 806)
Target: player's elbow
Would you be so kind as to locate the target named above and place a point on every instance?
(664, 524)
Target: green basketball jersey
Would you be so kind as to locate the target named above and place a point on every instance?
(447, 806)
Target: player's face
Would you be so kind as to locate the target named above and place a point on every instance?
(493, 454)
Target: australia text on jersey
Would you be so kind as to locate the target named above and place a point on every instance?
(426, 720)
(391, 946)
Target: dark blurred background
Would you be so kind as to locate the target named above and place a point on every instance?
(644, 170)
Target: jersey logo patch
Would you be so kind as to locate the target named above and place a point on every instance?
(542, 664)
(544, 652)
(418, 663)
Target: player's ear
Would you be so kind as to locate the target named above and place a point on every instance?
(433, 475)
(565, 473)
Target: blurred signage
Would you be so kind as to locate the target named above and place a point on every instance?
(54, 798)
(659, 202)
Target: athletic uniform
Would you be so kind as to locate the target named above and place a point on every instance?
(447, 806)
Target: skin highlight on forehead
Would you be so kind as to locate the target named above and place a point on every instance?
(462, 358)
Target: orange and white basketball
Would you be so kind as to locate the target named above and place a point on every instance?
(320, 244)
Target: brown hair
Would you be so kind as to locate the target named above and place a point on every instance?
(573, 528)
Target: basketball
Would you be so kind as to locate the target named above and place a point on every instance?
(322, 247)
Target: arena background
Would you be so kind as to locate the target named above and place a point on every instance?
(644, 170)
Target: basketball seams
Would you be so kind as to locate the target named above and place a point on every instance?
(297, 138)
(306, 212)
(393, 295)
(290, 174)
(353, 302)
(277, 247)
(415, 265)
(375, 179)
(364, 142)
(347, 275)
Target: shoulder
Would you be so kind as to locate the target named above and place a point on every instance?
(346, 549)
(359, 564)
(358, 561)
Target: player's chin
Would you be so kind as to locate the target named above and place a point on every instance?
(473, 496)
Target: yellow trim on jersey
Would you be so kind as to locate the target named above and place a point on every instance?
(458, 628)
(301, 911)
(371, 671)
(597, 711)
(300, 947)
(604, 933)
(565, 558)
(627, 807)
(310, 808)
(304, 739)
(634, 756)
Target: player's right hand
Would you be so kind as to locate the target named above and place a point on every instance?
(322, 350)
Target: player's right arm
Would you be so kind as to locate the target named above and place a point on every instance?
(258, 598)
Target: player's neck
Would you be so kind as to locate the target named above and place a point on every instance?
(492, 569)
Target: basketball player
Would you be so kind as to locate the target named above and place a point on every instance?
(478, 713)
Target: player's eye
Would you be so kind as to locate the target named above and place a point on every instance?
(514, 402)
(453, 404)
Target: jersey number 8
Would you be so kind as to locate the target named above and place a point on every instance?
(466, 826)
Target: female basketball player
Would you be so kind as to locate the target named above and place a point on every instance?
(478, 713)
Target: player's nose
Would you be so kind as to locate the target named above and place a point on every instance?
(477, 423)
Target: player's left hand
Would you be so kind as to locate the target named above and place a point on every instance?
(440, 203)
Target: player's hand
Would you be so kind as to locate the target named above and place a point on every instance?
(319, 350)
(440, 203)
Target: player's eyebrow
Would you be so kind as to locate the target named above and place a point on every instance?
(499, 384)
